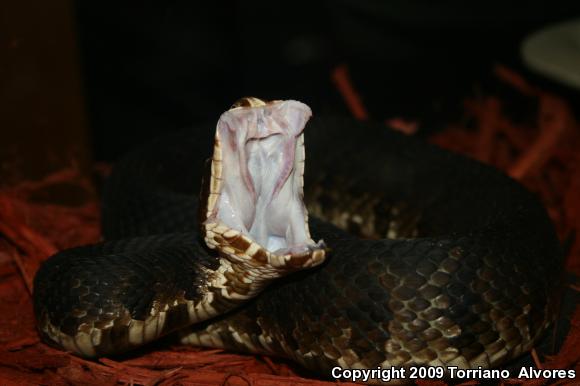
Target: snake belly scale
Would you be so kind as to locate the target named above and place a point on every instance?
(425, 258)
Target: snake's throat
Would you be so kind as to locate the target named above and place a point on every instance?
(255, 208)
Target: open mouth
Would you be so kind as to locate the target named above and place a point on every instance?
(255, 209)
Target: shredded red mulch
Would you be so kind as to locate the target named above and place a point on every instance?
(543, 153)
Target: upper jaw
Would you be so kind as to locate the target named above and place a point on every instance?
(255, 213)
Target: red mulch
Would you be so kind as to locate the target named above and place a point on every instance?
(543, 153)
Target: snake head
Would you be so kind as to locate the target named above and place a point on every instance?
(254, 212)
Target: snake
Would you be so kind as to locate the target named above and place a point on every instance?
(377, 250)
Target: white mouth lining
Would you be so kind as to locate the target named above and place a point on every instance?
(256, 186)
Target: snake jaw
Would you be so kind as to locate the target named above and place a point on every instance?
(255, 214)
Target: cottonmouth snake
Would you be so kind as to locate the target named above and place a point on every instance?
(428, 258)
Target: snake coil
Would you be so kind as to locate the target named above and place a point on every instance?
(427, 258)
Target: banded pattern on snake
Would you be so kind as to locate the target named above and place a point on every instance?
(427, 258)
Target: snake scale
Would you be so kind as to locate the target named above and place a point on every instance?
(425, 257)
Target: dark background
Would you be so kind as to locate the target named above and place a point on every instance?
(129, 70)
(166, 65)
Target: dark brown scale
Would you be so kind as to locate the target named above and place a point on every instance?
(363, 214)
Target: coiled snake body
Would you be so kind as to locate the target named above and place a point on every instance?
(427, 258)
